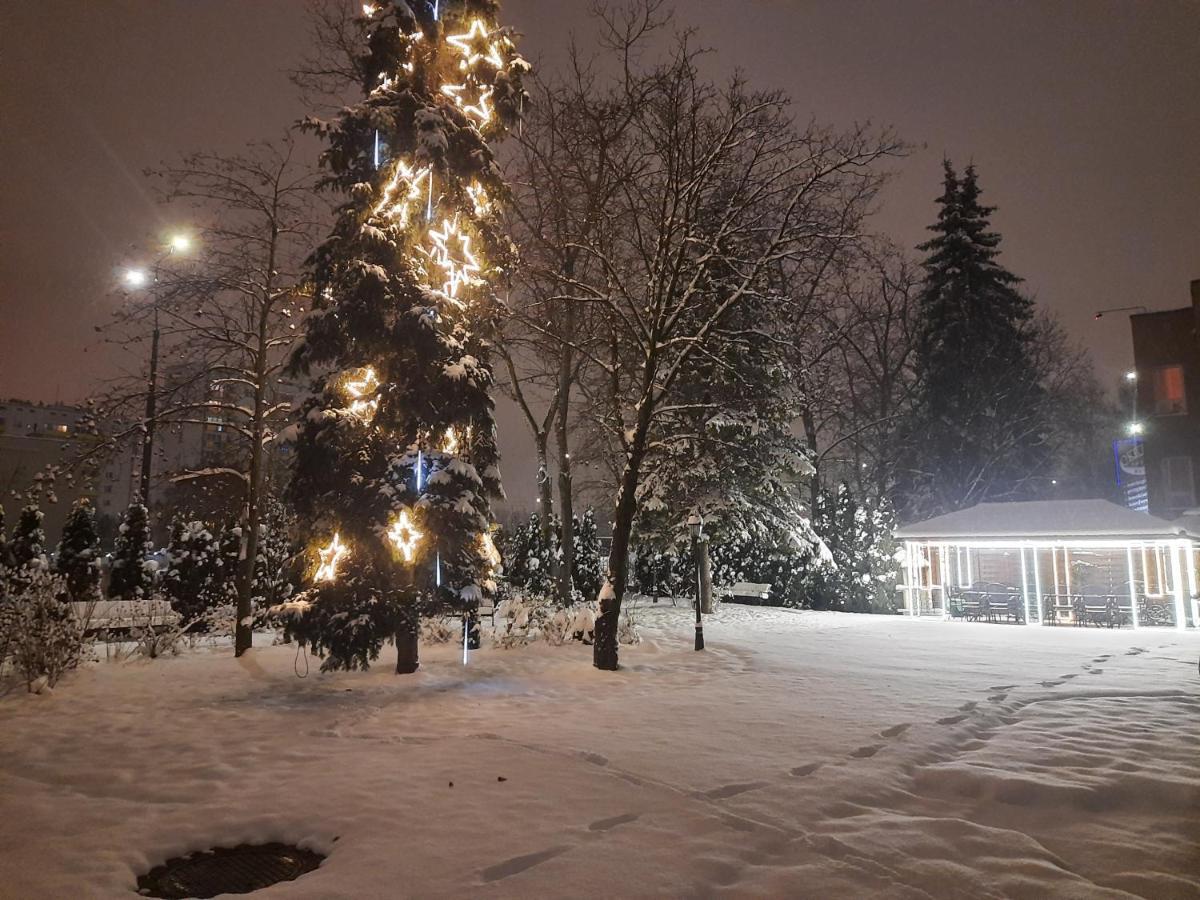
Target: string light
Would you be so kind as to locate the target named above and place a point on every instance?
(368, 9)
(330, 556)
(459, 267)
(404, 535)
(450, 442)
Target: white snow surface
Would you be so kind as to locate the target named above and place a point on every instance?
(801, 754)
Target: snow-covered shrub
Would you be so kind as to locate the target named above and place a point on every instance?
(524, 618)
(130, 576)
(38, 633)
(78, 560)
(530, 559)
(860, 539)
(587, 571)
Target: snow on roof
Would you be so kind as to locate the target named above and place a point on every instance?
(1048, 518)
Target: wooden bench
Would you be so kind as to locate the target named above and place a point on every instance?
(746, 592)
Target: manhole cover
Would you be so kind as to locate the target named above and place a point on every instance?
(236, 870)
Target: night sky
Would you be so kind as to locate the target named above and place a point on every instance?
(1083, 119)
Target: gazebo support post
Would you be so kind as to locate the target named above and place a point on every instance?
(1025, 591)
(1177, 579)
(1133, 610)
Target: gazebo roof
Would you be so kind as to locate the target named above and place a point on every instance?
(1095, 519)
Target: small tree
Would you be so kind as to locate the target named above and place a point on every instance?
(131, 573)
(193, 581)
(79, 554)
(587, 571)
(530, 556)
(29, 540)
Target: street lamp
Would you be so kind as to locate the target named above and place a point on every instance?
(696, 526)
(1131, 375)
(136, 279)
(1136, 428)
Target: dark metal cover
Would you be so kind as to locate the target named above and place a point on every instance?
(225, 870)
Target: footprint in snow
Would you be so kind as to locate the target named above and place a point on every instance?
(1049, 683)
(867, 752)
(998, 698)
(801, 771)
(594, 758)
(967, 707)
(1069, 677)
(1002, 687)
(1096, 672)
(895, 730)
(951, 720)
(518, 864)
(1135, 651)
(732, 790)
(606, 824)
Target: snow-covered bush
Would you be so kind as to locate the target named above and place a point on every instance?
(530, 557)
(524, 618)
(78, 560)
(587, 571)
(38, 634)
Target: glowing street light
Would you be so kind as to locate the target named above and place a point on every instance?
(1131, 375)
(1136, 428)
(180, 243)
(136, 278)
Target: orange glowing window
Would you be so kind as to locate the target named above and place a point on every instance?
(1170, 398)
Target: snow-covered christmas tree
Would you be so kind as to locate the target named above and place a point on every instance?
(397, 463)
(28, 545)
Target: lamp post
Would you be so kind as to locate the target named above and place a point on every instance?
(696, 526)
(137, 279)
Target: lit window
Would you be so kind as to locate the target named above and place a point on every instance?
(1179, 487)
(1170, 398)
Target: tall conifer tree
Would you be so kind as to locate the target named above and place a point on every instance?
(971, 438)
(397, 463)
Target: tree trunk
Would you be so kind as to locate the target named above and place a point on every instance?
(243, 633)
(706, 587)
(604, 651)
(407, 659)
(545, 488)
(566, 569)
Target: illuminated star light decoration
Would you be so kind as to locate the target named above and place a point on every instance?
(474, 46)
(330, 555)
(451, 252)
(402, 190)
(450, 442)
(361, 405)
(404, 535)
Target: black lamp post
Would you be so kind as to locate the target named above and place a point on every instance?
(696, 526)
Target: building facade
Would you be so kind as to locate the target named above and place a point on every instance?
(34, 436)
(1166, 352)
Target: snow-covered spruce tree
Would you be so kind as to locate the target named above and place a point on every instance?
(275, 551)
(587, 570)
(192, 583)
(860, 541)
(396, 462)
(131, 575)
(529, 556)
(78, 559)
(978, 429)
(27, 548)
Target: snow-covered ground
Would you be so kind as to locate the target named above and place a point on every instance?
(802, 754)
